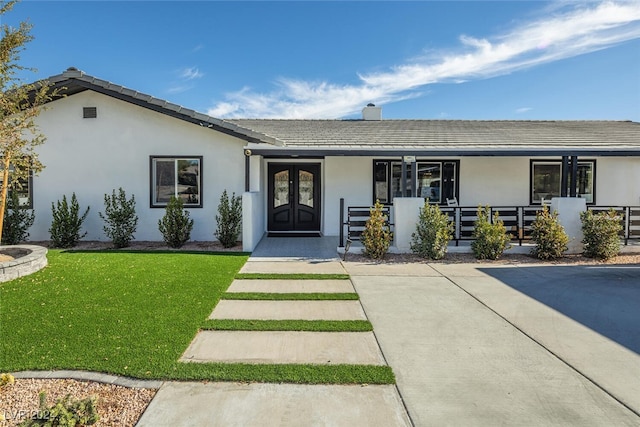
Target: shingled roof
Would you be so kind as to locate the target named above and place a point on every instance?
(447, 137)
(389, 137)
(74, 81)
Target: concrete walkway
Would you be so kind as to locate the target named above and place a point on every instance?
(232, 404)
(472, 345)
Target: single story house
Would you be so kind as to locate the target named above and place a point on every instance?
(293, 173)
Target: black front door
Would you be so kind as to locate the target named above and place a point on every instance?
(294, 197)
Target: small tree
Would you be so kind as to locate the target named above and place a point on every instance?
(433, 233)
(491, 238)
(17, 221)
(120, 217)
(376, 237)
(175, 225)
(19, 106)
(549, 236)
(601, 233)
(67, 223)
(229, 219)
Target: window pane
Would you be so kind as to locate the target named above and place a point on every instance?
(188, 185)
(165, 180)
(429, 181)
(396, 186)
(585, 181)
(381, 182)
(547, 178)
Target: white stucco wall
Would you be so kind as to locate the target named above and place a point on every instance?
(618, 181)
(495, 181)
(349, 178)
(92, 157)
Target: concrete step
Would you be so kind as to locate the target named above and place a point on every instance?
(292, 286)
(240, 404)
(281, 347)
(288, 310)
(293, 266)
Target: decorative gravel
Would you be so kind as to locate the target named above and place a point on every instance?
(116, 405)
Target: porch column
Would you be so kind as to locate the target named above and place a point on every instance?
(414, 180)
(564, 170)
(403, 181)
(574, 176)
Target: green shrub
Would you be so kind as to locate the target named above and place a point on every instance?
(433, 233)
(17, 221)
(6, 379)
(229, 219)
(66, 412)
(376, 237)
(549, 236)
(120, 217)
(66, 223)
(175, 225)
(491, 238)
(601, 233)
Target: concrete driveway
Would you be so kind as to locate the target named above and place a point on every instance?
(489, 344)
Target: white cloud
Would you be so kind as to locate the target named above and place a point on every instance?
(587, 27)
(190, 73)
(523, 110)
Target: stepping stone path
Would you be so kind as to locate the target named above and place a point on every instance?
(281, 347)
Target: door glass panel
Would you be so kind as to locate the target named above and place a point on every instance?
(281, 188)
(305, 188)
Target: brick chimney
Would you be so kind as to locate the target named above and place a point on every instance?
(371, 112)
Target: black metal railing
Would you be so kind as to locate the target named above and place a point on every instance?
(517, 220)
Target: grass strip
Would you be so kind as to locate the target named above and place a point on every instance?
(288, 325)
(293, 276)
(286, 373)
(309, 296)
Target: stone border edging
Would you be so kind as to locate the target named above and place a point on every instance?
(89, 376)
(33, 261)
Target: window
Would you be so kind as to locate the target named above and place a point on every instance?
(176, 176)
(23, 187)
(546, 180)
(434, 180)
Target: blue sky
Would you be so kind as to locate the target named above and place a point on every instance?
(512, 60)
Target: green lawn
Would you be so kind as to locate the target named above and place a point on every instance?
(134, 314)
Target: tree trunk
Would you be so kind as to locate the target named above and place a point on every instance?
(6, 161)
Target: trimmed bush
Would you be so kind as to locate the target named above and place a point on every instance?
(376, 237)
(433, 233)
(6, 379)
(120, 217)
(491, 238)
(67, 223)
(65, 412)
(601, 234)
(549, 236)
(229, 219)
(17, 221)
(175, 225)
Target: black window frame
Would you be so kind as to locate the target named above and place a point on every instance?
(593, 162)
(152, 177)
(414, 180)
(29, 185)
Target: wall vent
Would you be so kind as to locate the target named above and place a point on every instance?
(89, 112)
